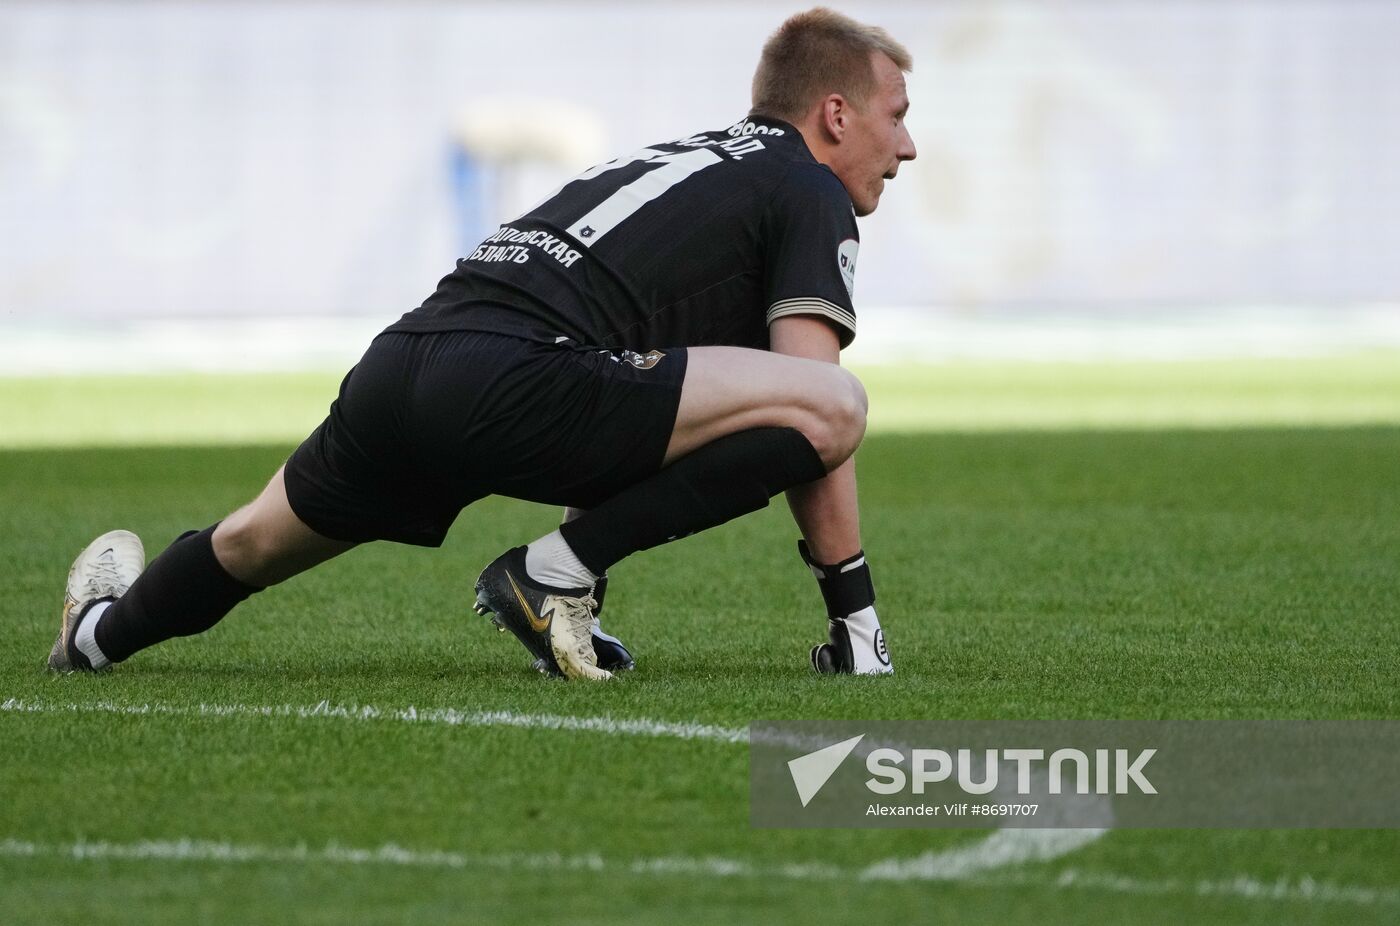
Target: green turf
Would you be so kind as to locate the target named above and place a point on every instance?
(185, 409)
(1033, 574)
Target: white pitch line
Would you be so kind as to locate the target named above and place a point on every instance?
(201, 850)
(1303, 889)
(1002, 848)
(616, 726)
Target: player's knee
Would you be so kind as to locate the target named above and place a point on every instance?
(836, 423)
(847, 414)
(859, 400)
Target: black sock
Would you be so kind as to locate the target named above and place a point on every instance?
(722, 480)
(183, 592)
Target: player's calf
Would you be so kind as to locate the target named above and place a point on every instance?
(730, 477)
(265, 542)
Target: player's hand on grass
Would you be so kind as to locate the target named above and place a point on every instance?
(856, 647)
(856, 642)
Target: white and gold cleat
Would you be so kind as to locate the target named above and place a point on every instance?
(103, 571)
(571, 637)
(555, 624)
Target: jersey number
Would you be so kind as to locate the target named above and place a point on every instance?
(627, 199)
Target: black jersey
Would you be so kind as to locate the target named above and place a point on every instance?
(702, 240)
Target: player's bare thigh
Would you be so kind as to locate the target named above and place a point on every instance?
(264, 542)
(731, 389)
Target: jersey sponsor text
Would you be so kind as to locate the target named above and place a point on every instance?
(513, 249)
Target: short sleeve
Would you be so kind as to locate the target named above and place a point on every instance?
(811, 250)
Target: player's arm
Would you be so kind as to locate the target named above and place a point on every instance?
(827, 513)
(809, 285)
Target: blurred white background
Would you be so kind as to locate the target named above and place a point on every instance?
(1126, 177)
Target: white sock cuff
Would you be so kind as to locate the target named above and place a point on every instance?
(85, 640)
(551, 561)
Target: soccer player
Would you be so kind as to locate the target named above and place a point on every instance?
(655, 346)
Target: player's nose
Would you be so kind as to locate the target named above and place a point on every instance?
(906, 150)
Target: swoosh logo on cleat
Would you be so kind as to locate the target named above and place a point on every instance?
(536, 624)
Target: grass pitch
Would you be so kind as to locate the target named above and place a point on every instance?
(1051, 572)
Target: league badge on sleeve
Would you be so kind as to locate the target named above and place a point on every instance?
(846, 261)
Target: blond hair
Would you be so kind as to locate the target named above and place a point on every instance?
(816, 53)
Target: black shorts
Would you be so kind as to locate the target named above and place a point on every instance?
(426, 424)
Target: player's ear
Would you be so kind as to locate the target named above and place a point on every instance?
(836, 113)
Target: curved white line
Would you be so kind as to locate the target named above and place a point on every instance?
(1002, 848)
(1299, 890)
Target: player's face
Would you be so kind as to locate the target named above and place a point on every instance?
(878, 138)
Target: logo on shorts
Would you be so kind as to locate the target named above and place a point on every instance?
(643, 361)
